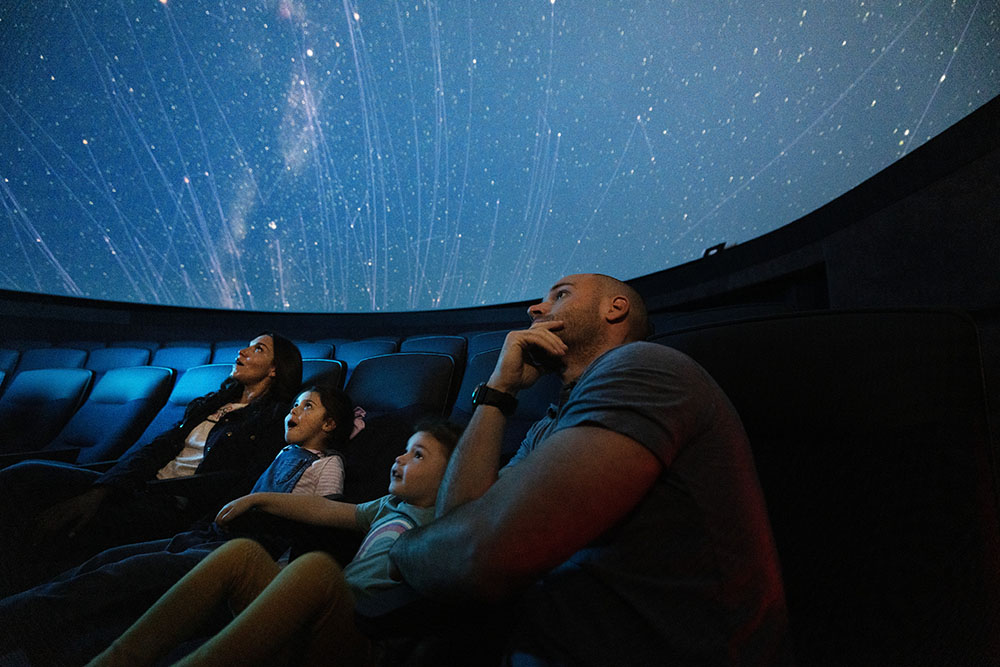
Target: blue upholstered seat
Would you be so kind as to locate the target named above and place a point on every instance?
(396, 390)
(103, 359)
(531, 402)
(315, 350)
(121, 405)
(355, 351)
(181, 358)
(225, 352)
(38, 403)
(51, 357)
(324, 371)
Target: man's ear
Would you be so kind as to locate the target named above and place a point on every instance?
(329, 424)
(618, 309)
(274, 371)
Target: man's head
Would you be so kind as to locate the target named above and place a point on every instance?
(598, 312)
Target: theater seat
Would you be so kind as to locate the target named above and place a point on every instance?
(870, 434)
(50, 357)
(38, 403)
(120, 406)
(197, 381)
(226, 352)
(531, 402)
(324, 371)
(487, 340)
(181, 358)
(453, 346)
(103, 359)
(396, 391)
(8, 359)
(351, 353)
(315, 350)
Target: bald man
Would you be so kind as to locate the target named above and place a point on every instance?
(630, 527)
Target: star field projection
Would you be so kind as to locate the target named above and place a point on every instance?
(362, 156)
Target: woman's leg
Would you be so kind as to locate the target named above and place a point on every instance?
(305, 617)
(238, 571)
(26, 489)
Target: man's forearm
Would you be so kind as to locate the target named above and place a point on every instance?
(441, 560)
(473, 467)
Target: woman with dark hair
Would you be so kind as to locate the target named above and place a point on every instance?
(54, 515)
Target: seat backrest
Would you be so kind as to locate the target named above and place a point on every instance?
(396, 391)
(37, 404)
(196, 381)
(181, 358)
(871, 439)
(353, 352)
(324, 371)
(226, 352)
(453, 346)
(187, 343)
(150, 345)
(412, 383)
(51, 357)
(118, 409)
(531, 402)
(8, 359)
(103, 359)
(315, 350)
(487, 340)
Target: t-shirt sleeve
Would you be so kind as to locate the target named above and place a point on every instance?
(325, 477)
(365, 513)
(650, 393)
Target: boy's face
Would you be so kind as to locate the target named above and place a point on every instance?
(417, 473)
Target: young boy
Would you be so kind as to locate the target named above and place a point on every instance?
(303, 614)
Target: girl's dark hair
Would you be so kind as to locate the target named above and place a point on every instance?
(339, 406)
(444, 431)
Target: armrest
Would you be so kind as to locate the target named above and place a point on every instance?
(64, 455)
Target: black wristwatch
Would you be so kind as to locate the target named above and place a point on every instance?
(483, 395)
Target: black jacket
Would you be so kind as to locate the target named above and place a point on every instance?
(243, 443)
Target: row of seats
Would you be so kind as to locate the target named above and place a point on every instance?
(181, 355)
(54, 413)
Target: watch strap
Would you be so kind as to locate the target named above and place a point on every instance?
(484, 395)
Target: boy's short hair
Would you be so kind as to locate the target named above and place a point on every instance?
(444, 431)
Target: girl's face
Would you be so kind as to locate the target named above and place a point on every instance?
(307, 424)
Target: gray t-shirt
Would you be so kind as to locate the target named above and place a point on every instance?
(383, 521)
(691, 575)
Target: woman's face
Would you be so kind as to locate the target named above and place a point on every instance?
(255, 363)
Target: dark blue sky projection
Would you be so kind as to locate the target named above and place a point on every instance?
(358, 156)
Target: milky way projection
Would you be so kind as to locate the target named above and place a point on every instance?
(346, 156)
